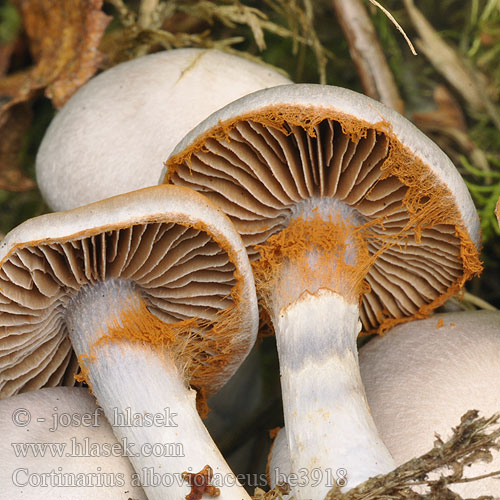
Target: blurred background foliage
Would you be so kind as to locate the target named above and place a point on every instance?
(450, 90)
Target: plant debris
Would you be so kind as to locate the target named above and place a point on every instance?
(366, 52)
(451, 65)
(63, 39)
(152, 28)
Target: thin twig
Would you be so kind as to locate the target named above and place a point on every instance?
(146, 11)
(477, 301)
(127, 16)
(367, 54)
(393, 21)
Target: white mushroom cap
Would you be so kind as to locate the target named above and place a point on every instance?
(420, 378)
(261, 157)
(115, 133)
(65, 420)
(181, 253)
(424, 375)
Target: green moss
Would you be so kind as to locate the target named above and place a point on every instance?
(10, 23)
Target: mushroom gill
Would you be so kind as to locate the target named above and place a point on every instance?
(180, 272)
(259, 170)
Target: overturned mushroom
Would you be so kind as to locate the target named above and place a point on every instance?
(56, 444)
(156, 293)
(350, 214)
(112, 136)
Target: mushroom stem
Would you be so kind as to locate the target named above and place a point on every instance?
(316, 268)
(328, 422)
(144, 396)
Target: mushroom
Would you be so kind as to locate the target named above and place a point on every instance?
(420, 378)
(349, 213)
(112, 136)
(57, 444)
(155, 291)
(440, 368)
(278, 469)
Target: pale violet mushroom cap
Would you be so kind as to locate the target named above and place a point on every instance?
(421, 377)
(115, 133)
(261, 156)
(179, 252)
(78, 456)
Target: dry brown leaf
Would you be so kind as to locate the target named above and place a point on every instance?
(16, 122)
(64, 36)
(9, 88)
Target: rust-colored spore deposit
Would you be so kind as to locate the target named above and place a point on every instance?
(315, 250)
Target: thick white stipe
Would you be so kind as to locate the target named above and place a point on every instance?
(130, 379)
(327, 419)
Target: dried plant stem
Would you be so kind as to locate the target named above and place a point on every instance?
(366, 52)
(393, 21)
(477, 301)
(127, 16)
(146, 11)
(448, 62)
(472, 441)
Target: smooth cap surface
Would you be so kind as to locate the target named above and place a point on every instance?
(421, 377)
(70, 450)
(115, 133)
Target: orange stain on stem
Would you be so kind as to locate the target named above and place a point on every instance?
(202, 349)
(308, 255)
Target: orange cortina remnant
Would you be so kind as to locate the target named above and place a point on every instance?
(274, 432)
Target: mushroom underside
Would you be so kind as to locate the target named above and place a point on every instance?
(179, 271)
(260, 172)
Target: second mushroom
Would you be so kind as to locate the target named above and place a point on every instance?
(155, 291)
(353, 218)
